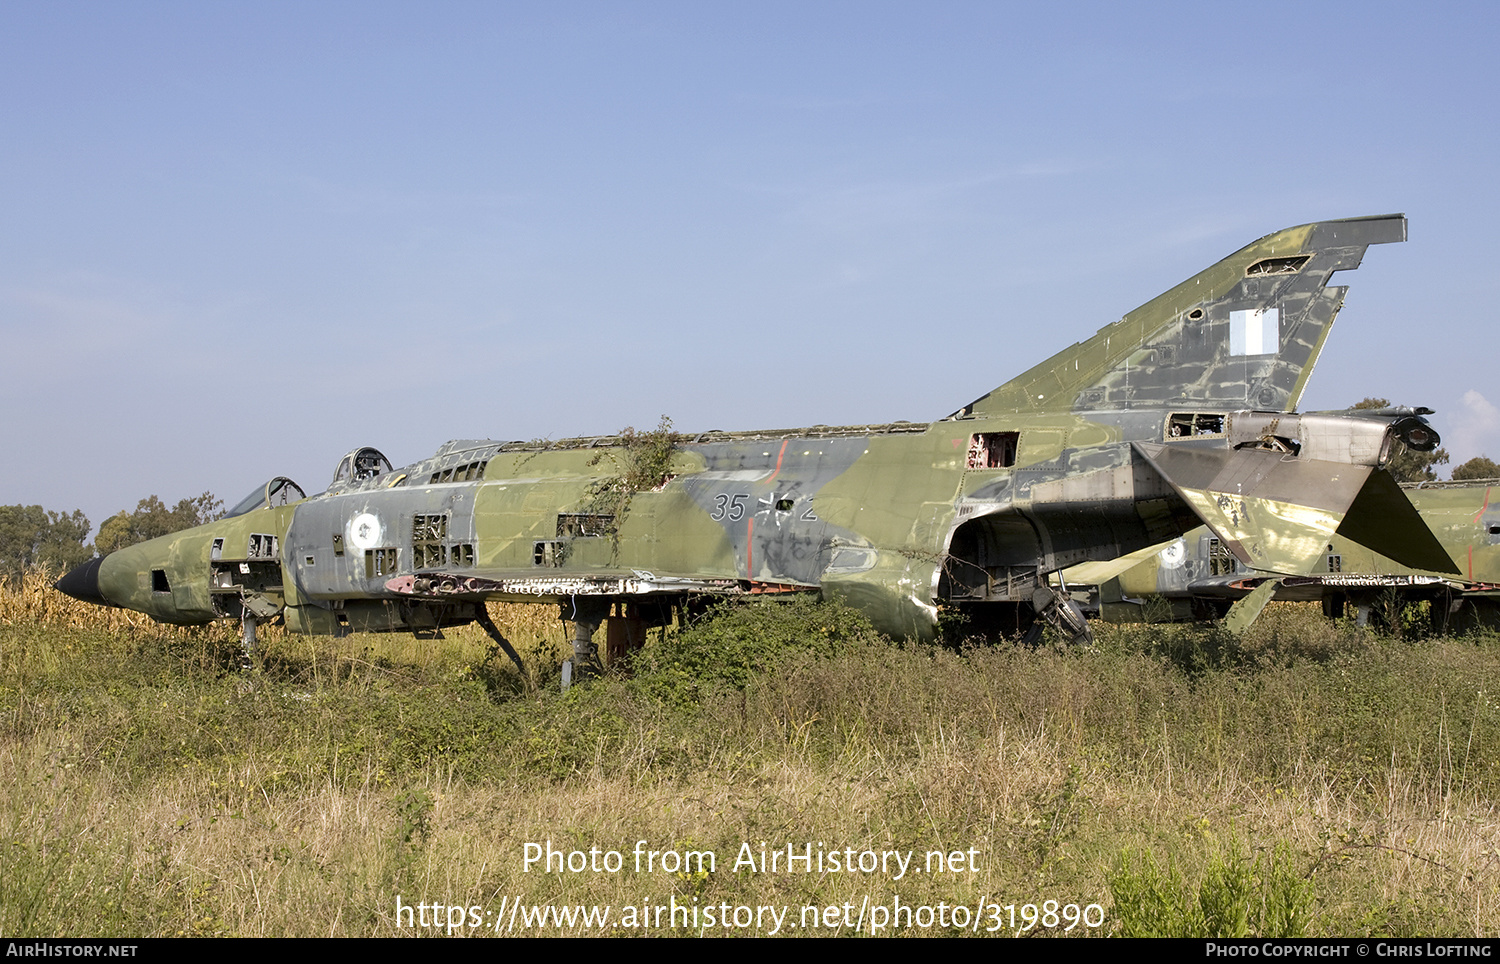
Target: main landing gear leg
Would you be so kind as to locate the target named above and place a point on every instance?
(247, 640)
(482, 617)
(1061, 613)
(586, 613)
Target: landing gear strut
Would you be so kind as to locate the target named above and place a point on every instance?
(586, 613)
(247, 640)
(482, 617)
(1060, 612)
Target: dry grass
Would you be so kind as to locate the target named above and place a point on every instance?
(33, 601)
(535, 629)
(148, 789)
(221, 854)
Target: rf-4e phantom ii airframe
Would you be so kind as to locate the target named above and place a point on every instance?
(1178, 415)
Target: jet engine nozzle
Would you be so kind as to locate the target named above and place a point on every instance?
(1415, 431)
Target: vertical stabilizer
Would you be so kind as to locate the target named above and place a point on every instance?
(1243, 334)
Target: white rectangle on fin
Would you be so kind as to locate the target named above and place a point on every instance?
(1255, 332)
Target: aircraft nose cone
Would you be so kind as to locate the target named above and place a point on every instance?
(83, 583)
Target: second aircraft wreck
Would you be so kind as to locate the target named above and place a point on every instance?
(1178, 415)
(1196, 577)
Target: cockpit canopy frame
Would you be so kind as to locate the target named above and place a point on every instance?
(361, 464)
(277, 492)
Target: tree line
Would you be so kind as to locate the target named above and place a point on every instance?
(33, 537)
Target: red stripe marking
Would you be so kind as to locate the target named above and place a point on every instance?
(778, 460)
(1477, 517)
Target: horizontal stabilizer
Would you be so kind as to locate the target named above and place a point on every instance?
(1244, 333)
(1276, 514)
(1382, 518)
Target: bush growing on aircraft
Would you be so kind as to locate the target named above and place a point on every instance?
(643, 461)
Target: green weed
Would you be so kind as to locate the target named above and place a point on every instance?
(1233, 897)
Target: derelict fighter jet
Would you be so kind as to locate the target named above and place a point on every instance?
(1196, 577)
(1178, 415)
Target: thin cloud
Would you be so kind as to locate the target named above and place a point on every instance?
(1476, 428)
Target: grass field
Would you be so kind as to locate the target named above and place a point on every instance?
(1309, 778)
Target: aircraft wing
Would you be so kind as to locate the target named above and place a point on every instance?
(1099, 572)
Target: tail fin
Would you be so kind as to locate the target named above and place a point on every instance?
(1245, 333)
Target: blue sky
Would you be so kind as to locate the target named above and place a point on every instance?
(238, 240)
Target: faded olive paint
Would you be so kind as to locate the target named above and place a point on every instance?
(1176, 415)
